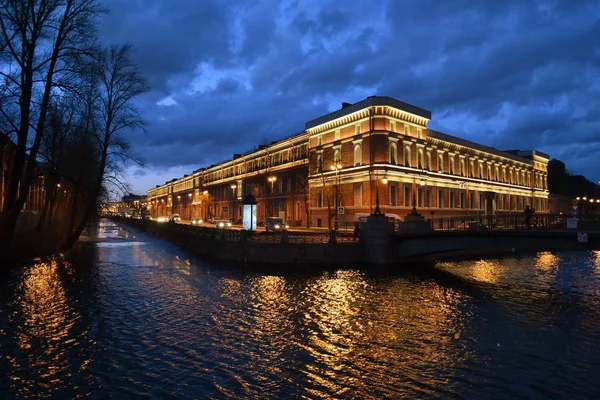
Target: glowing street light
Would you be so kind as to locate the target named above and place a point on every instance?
(336, 167)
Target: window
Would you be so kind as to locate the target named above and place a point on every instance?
(393, 153)
(471, 200)
(497, 174)
(440, 197)
(337, 155)
(462, 167)
(420, 197)
(452, 165)
(393, 194)
(429, 161)
(471, 171)
(319, 162)
(407, 189)
(407, 156)
(428, 198)
(463, 202)
(441, 163)
(452, 199)
(357, 155)
(319, 199)
(357, 194)
(489, 172)
(420, 163)
(480, 171)
(504, 175)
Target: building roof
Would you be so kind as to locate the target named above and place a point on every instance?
(467, 143)
(369, 102)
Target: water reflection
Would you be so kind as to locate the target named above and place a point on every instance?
(149, 321)
(43, 319)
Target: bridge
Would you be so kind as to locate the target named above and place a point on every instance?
(486, 235)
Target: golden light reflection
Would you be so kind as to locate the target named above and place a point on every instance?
(486, 271)
(596, 254)
(354, 326)
(546, 261)
(46, 326)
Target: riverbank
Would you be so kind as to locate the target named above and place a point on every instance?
(238, 246)
(339, 250)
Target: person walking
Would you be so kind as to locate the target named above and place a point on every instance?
(528, 211)
(356, 231)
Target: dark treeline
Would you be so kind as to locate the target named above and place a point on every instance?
(560, 181)
(66, 102)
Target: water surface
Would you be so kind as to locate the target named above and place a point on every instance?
(126, 315)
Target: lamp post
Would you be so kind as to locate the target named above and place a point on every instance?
(271, 179)
(336, 167)
(189, 206)
(232, 212)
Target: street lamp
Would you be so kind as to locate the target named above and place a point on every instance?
(190, 205)
(232, 212)
(336, 167)
(271, 179)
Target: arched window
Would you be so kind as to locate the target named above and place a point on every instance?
(319, 162)
(471, 169)
(357, 155)
(462, 167)
(393, 153)
(407, 156)
(420, 163)
(337, 155)
(429, 161)
(440, 163)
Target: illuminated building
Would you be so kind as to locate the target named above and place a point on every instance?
(385, 151)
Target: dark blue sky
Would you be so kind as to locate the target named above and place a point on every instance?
(228, 75)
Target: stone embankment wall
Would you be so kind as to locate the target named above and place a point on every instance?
(260, 249)
(466, 244)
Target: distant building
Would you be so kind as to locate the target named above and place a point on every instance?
(36, 195)
(379, 148)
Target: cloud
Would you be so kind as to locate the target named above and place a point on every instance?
(225, 76)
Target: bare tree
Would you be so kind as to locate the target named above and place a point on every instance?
(41, 43)
(117, 84)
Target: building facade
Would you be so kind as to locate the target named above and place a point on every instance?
(378, 150)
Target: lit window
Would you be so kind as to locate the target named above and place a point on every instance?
(407, 156)
(357, 155)
(393, 153)
(337, 157)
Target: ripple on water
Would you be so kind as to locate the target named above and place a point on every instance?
(149, 321)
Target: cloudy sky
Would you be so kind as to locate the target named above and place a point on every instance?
(228, 75)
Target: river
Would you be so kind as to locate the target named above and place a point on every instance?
(129, 316)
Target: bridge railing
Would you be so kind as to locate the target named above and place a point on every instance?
(499, 222)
